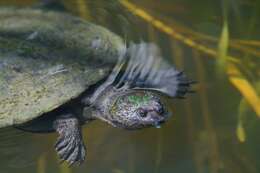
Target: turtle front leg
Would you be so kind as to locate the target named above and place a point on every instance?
(69, 146)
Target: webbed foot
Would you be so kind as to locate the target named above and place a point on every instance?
(69, 145)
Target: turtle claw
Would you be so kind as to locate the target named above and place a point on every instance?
(69, 145)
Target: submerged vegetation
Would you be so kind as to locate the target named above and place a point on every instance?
(228, 63)
(218, 45)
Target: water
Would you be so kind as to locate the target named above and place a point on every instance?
(205, 134)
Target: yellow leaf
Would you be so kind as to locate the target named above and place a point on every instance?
(245, 88)
(83, 9)
(241, 135)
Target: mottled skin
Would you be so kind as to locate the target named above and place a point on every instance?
(58, 72)
(129, 109)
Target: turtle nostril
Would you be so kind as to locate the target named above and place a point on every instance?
(161, 111)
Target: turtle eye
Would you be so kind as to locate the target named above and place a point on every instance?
(142, 113)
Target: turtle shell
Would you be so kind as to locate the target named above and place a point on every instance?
(47, 59)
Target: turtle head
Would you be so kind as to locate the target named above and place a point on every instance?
(137, 109)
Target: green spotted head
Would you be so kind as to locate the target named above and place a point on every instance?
(137, 109)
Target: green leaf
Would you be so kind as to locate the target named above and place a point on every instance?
(223, 48)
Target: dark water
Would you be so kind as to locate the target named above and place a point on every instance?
(201, 137)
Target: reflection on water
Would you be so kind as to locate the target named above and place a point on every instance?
(213, 131)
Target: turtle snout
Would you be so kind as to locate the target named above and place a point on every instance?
(156, 118)
(155, 115)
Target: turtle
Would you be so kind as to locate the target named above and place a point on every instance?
(59, 72)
